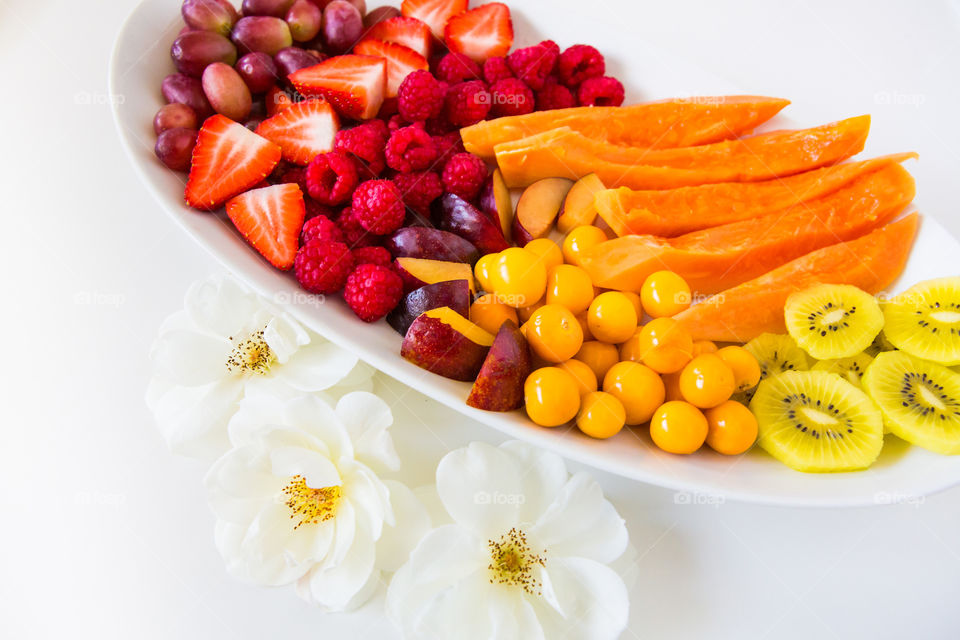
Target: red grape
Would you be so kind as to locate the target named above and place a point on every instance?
(342, 26)
(379, 15)
(258, 71)
(175, 147)
(177, 87)
(304, 20)
(261, 33)
(194, 50)
(272, 8)
(290, 59)
(226, 91)
(174, 115)
(209, 15)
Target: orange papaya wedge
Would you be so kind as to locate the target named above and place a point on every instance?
(677, 122)
(567, 153)
(715, 259)
(673, 212)
(871, 262)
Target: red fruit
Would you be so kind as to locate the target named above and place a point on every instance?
(372, 291)
(419, 189)
(409, 32)
(320, 228)
(378, 206)
(365, 144)
(388, 109)
(456, 67)
(464, 175)
(372, 255)
(295, 175)
(511, 97)
(396, 121)
(227, 159)
(277, 100)
(353, 84)
(322, 266)
(401, 61)
(331, 178)
(495, 69)
(354, 234)
(433, 13)
(447, 144)
(420, 96)
(601, 92)
(554, 96)
(270, 219)
(315, 209)
(480, 33)
(410, 149)
(467, 103)
(534, 64)
(578, 63)
(303, 130)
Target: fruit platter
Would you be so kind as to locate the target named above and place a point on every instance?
(555, 239)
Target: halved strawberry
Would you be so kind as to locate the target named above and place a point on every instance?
(481, 33)
(228, 159)
(401, 61)
(270, 219)
(302, 130)
(276, 100)
(353, 84)
(409, 32)
(434, 13)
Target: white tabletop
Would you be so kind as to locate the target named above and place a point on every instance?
(104, 534)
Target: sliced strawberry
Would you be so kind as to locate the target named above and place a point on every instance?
(401, 61)
(276, 100)
(480, 33)
(434, 13)
(302, 130)
(270, 219)
(353, 84)
(409, 32)
(228, 159)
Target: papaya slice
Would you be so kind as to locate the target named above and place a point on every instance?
(567, 153)
(677, 122)
(673, 212)
(712, 260)
(871, 262)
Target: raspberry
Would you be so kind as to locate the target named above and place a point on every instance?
(554, 96)
(410, 149)
(601, 92)
(447, 145)
(578, 63)
(534, 64)
(372, 291)
(322, 266)
(320, 228)
(388, 108)
(420, 96)
(438, 127)
(456, 67)
(372, 255)
(365, 143)
(511, 97)
(419, 190)
(378, 206)
(295, 175)
(464, 175)
(467, 103)
(354, 235)
(314, 209)
(395, 122)
(495, 69)
(331, 178)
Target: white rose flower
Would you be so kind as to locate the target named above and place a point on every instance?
(298, 498)
(526, 556)
(228, 344)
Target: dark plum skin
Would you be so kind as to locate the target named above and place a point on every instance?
(465, 220)
(452, 293)
(432, 244)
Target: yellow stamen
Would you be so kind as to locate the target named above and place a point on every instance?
(252, 354)
(311, 505)
(512, 562)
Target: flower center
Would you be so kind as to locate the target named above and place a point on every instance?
(311, 505)
(252, 354)
(512, 562)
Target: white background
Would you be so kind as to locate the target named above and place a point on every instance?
(104, 534)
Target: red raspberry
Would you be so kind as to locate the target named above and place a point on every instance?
(331, 178)
(410, 149)
(467, 103)
(456, 67)
(395, 122)
(534, 64)
(354, 235)
(388, 108)
(601, 92)
(295, 175)
(419, 190)
(320, 228)
(495, 69)
(439, 126)
(322, 266)
(372, 255)
(420, 96)
(578, 63)
(554, 96)
(378, 206)
(511, 97)
(447, 145)
(372, 291)
(314, 209)
(464, 175)
(365, 143)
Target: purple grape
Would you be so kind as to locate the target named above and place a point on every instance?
(379, 15)
(194, 50)
(258, 71)
(226, 91)
(292, 59)
(177, 87)
(175, 115)
(342, 27)
(273, 8)
(252, 123)
(209, 15)
(261, 33)
(304, 20)
(175, 147)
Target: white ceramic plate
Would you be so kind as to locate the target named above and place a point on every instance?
(141, 60)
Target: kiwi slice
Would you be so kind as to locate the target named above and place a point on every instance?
(851, 369)
(775, 353)
(817, 422)
(924, 320)
(920, 400)
(880, 344)
(831, 321)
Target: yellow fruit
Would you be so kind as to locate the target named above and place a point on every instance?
(599, 356)
(746, 369)
(611, 317)
(553, 333)
(707, 381)
(481, 271)
(581, 240)
(569, 286)
(703, 346)
(678, 427)
(664, 294)
(551, 397)
(489, 313)
(637, 387)
(601, 415)
(586, 379)
(731, 428)
(518, 277)
(547, 251)
(664, 345)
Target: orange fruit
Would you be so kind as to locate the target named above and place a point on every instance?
(489, 313)
(664, 294)
(580, 240)
(707, 381)
(601, 415)
(584, 375)
(611, 317)
(671, 385)
(637, 387)
(546, 251)
(703, 346)
(518, 277)
(664, 345)
(553, 333)
(551, 396)
(481, 271)
(569, 286)
(525, 313)
(599, 356)
(746, 369)
(678, 427)
(732, 428)
(634, 298)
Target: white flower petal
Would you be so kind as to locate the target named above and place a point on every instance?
(220, 305)
(465, 611)
(315, 417)
(193, 420)
(315, 366)
(481, 489)
(345, 529)
(335, 587)
(367, 419)
(284, 336)
(369, 496)
(411, 523)
(317, 470)
(594, 604)
(178, 320)
(190, 358)
(543, 475)
(254, 415)
(239, 483)
(266, 547)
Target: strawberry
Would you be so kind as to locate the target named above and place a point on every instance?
(401, 61)
(481, 33)
(228, 159)
(409, 32)
(276, 100)
(434, 13)
(302, 130)
(353, 84)
(270, 219)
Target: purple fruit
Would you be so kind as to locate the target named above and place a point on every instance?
(272, 8)
(177, 87)
(252, 123)
(304, 19)
(261, 33)
(293, 59)
(227, 92)
(258, 71)
(218, 16)
(175, 115)
(175, 147)
(379, 15)
(193, 51)
(342, 27)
